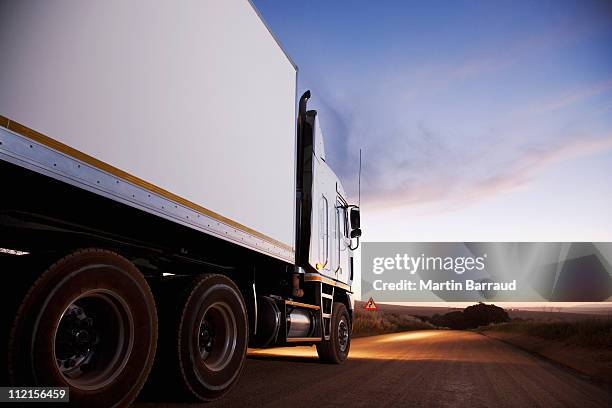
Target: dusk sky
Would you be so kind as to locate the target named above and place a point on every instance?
(479, 121)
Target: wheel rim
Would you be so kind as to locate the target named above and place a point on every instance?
(93, 340)
(343, 335)
(217, 336)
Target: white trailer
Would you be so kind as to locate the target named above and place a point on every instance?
(163, 190)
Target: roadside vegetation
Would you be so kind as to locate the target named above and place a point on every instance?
(369, 323)
(583, 344)
(593, 332)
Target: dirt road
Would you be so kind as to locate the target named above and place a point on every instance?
(423, 369)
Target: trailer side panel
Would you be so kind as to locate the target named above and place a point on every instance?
(170, 94)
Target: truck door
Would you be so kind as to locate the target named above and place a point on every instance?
(341, 242)
(330, 239)
(323, 265)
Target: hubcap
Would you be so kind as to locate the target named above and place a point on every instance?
(217, 336)
(75, 341)
(343, 335)
(93, 340)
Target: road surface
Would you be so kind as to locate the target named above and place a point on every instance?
(419, 369)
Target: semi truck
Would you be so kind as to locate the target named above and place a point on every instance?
(166, 202)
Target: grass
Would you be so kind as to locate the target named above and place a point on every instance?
(369, 323)
(595, 332)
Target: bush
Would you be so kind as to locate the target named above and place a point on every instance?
(471, 317)
(483, 315)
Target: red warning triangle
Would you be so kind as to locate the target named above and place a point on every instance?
(371, 305)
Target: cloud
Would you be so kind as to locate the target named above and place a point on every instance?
(567, 99)
(454, 191)
(408, 161)
(446, 133)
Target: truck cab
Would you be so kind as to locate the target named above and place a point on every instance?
(328, 227)
(330, 241)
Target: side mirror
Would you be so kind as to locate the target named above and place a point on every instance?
(355, 218)
(356, 233)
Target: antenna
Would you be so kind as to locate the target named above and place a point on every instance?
(359, 185)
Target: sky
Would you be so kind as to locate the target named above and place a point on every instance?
(478, 120)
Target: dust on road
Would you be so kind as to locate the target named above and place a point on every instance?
(422, 369)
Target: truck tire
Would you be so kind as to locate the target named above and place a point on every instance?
(336, 349)
(88, 323)
(204, 338)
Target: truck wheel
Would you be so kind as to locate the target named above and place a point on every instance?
(87, 323)
(336, 349)
(204, 340)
